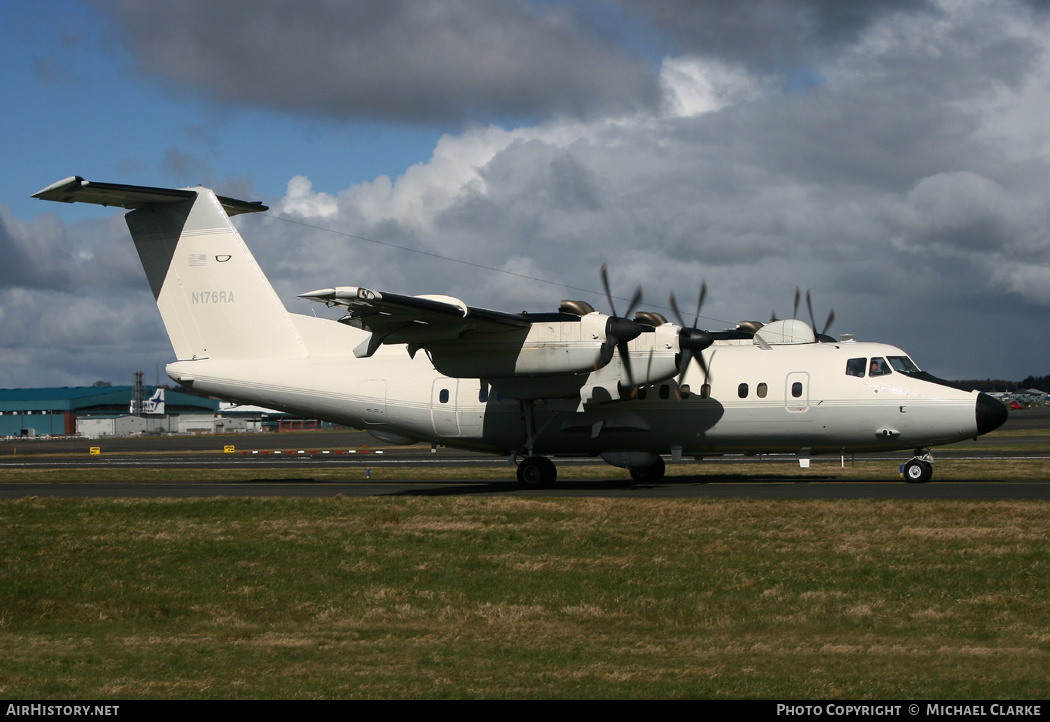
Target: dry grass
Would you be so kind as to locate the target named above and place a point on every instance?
(524, 597)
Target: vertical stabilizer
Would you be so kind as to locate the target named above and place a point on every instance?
(213, 297)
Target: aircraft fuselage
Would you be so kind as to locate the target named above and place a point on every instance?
(794, 398)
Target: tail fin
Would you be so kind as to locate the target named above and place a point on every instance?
(213, 297)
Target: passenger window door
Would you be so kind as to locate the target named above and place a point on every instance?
(796, 392)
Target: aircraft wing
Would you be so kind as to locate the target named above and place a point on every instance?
(416, 320)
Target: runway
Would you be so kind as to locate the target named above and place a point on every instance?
(270, 457)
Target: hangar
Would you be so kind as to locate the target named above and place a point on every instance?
(56, 411)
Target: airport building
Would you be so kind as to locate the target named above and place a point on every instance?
(101, 411)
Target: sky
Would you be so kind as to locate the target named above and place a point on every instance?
(891, 156)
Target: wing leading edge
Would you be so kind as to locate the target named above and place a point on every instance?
(393, 318)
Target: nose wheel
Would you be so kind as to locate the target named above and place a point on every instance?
(920, 469)
(537, 472)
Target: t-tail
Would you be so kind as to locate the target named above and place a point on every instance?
(215, 301)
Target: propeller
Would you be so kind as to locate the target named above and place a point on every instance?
(619, 330)
(822, 336)
(692, 340)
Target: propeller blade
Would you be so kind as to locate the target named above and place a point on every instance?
(609, 297)
(827, 324)
(625, 357)
(822, 335)
(675, 311)
(683, 364)
(798, 295)
(634, 302)
(700, 302)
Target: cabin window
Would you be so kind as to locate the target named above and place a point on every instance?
(705, 391)
(483, 393)
(903, 365)
(855, 367)
(796, 389)
(684, 391)
(643, 391)
(761, 390)
(878, 367)
(665, 392)
(443, 396)
(741, 391)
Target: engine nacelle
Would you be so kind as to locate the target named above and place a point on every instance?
(566, 346)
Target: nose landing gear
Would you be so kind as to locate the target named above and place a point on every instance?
(920, 469)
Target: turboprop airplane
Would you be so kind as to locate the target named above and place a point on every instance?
(528, 386)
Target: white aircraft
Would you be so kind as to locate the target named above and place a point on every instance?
(528, 386)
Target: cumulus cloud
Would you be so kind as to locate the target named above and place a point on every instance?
(880, 189)
(76, 293)
(891, 156)
(400, 60)
(770, 37)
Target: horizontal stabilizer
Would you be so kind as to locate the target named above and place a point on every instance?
(78, 190)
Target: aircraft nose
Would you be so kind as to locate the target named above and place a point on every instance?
(991, 413)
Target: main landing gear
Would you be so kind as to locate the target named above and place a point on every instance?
(534, 472)
(648, 474)
(920, 469)
(537, 472)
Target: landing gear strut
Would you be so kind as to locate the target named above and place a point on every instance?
(920, 469)
(534, 472)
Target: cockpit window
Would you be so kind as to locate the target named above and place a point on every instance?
(855, 367)
(903, 365)
(879, 367)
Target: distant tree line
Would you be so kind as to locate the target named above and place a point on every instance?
(1031, 382)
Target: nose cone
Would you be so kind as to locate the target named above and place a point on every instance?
(991, 413)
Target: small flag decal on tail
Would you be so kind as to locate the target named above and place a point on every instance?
(198, 259)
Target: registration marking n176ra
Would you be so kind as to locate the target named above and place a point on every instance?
(211, 297)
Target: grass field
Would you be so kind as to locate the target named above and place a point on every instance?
(523, 598)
